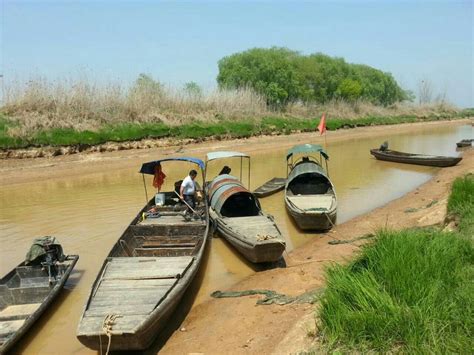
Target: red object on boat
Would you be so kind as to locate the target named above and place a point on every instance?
(159, 177)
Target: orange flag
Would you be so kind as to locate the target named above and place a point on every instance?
(322, 124)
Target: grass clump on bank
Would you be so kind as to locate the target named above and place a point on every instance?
(410, 291)
(224, 128)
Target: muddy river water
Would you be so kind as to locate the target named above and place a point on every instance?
(88, 212)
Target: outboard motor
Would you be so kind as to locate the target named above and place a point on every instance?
(47, 252)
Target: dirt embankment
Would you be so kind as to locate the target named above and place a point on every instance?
(238, 325)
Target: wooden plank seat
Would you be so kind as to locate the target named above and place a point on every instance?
(19, 311)
(312, 202)
(9, 327)
(135, 286)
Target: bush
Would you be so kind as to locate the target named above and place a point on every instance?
(285, 76)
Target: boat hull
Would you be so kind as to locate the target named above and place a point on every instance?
(312, 221)
(416, 159)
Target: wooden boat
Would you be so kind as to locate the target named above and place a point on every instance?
(270, 187)
(237, 215)
(146, 273)
(417, 159)
(310, 197)
(30, 288)
(464, 143)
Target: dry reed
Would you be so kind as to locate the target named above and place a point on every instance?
(81, 104)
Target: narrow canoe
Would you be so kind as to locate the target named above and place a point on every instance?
(464, 143)
(145, 276)
(25, 293)
(270, 187)
(238, 217)
(417, 159)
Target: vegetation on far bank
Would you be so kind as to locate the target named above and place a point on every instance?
(197, 130)
(409, 291)
(284, 76)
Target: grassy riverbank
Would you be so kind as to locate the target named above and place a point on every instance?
(197, 130)
(409, 291)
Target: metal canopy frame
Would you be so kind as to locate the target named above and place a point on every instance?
(302, 150)
(149, 168)
(228, 154)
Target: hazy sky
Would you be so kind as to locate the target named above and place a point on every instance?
(177, 42)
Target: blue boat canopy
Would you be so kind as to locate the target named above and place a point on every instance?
(307, 148)
(149, 168)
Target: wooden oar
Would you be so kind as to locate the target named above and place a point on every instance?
(182, 199)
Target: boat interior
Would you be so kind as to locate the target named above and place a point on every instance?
(165, 230)
(311, 192)
(241, 204)
(309, 184)
(21, 293)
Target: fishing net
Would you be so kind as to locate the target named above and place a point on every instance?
(271, 297)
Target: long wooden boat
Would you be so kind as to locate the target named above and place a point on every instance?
(417, 159)
(28, 290)
(237, 215)
(464, 143)
(146, 273)
(270, 187)
(310, 196)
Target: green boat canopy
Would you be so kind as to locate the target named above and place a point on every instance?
(307, 148)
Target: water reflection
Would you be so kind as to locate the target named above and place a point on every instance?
(88, 213)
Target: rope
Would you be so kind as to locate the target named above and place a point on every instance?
(339, 241)
(261, 237)
(107, 324)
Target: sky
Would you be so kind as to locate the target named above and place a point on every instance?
(178, 42)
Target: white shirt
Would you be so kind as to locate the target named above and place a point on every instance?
(188, 186)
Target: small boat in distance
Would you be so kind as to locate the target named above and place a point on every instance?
(464, 143)
(310, 196)
(147, 272)
(237, 215)
(383, 153)
(270, 187)
(28, 290)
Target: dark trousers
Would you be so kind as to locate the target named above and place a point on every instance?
(190, 200)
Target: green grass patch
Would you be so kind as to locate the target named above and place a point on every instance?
(409, 291)
(227, 128)
(461, 203)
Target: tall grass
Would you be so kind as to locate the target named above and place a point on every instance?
(410, 291)
(461, 203)
(82, 104)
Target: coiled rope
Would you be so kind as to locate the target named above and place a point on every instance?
(107, 324)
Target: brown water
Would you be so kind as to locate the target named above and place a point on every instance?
(88, 213)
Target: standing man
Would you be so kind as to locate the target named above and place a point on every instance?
(187, 191)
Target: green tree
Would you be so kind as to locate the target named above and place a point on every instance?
(284, 76)
(193, 89)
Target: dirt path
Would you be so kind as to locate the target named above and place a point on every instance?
(238, 325)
